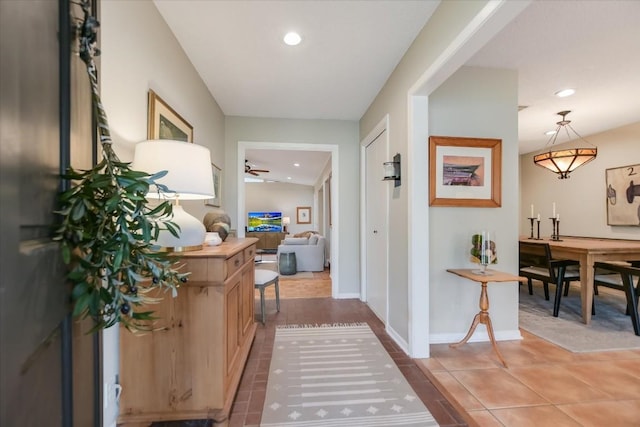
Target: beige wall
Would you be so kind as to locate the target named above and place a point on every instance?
(581, 199)
(281, 197)
(444, 25)
(437, 47)
(339, 133)
(140, 53)
(477, 102)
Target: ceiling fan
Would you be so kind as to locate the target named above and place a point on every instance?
(255, 172)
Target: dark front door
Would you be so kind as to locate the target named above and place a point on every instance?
(48, 365)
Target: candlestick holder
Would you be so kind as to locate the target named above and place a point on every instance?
(531, 220)
(538, 238)
(555, 226)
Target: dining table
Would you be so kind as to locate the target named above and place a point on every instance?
(587, 251)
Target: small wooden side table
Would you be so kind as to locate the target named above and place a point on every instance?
(483, 315)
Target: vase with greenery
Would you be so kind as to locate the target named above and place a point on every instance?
(483, 250)
(107, 228)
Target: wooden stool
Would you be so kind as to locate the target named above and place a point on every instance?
(264, 278)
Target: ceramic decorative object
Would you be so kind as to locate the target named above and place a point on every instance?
(220, 222)
(213, 239)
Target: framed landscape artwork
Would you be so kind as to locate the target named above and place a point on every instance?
(165, 123)
(465, 172)
(303, 215)
(217, 187)
(623, 195)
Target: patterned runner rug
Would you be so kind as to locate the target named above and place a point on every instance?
(337, 375)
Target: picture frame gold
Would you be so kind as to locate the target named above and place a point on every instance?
(465, 172)
(164, 122)
(303, 215)
(623, 195)
(217, 187)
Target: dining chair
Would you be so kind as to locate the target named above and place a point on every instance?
(537, 263)
(621, 277)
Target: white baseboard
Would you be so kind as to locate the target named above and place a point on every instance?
(397, 339)
(349, 296)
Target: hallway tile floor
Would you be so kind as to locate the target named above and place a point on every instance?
(247, 409)
(544, 385)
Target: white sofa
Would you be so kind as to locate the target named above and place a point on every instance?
(310, 252)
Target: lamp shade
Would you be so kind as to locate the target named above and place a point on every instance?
(189, 175)
(563, 162)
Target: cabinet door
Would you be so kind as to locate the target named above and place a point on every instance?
(248, 297)
(232, 308)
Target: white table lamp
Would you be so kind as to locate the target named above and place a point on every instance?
(189, 177)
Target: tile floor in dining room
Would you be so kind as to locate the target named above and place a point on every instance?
(544, 385)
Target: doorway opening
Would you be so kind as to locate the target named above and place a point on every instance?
(332, 229)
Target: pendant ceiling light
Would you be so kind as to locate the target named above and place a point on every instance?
(565, 161)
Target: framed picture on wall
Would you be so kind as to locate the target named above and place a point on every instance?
(217, 187)
(165, 123)
(465, 172)
(303, 215)
(623, 195)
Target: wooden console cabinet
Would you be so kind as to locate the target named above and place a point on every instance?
(189, 367)
(267, 239)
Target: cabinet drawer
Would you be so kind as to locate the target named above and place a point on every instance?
(235, 263)
(198, 269)
(250, 252)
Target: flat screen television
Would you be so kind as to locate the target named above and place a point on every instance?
(265, 221)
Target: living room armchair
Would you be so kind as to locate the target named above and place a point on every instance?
(310, 252)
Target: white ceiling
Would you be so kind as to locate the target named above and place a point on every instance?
(590, 46)
(281, 165)
(349, 48)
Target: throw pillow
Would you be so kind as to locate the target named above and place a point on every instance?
(296, 241)
(306, 234)
(313, 239)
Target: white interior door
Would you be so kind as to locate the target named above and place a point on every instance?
(376, 202)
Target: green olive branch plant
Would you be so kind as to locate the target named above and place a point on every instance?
(106, 226)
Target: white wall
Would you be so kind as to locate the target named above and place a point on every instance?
(140, 53)
(344, 135)
(475, 102)
(281, 197)
(581, 199)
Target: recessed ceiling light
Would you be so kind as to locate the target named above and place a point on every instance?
(292, 38)
(565, 92)
(296, 165)
(550, 132)
(288, 177)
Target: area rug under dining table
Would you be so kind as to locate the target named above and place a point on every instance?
(610, 329)
(337, 375)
